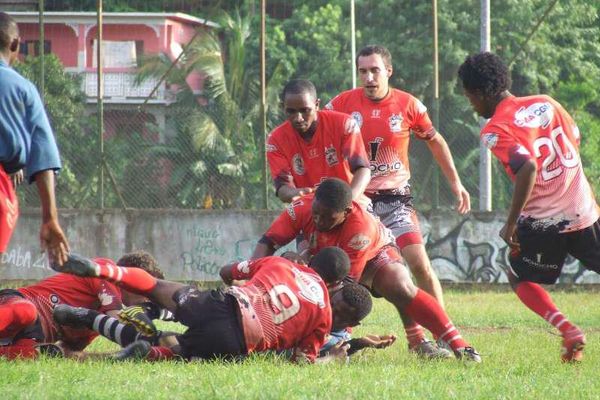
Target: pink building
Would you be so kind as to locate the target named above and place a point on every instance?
(126, 38)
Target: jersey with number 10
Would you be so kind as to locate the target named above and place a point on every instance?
(538, 128)
(385, 127)
(283, 306)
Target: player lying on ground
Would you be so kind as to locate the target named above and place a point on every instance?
(329, 217)
(282, 306)
(26, 313)
(553, 210)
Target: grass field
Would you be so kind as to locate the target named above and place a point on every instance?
(520, 361)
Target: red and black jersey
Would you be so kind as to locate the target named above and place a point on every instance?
(283, 306)
(93, 293)
(361, 235)
(335, 150)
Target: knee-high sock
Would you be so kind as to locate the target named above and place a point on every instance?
(112, 329)
(539, 301)
(160, 353)
(23, 348)
(15, 314)
(133, 279)
(425, 310)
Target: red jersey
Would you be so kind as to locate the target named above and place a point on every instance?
(283, 306)
(538, 128)
(335, 150)
(93, 293)
(385, 126)
(361, 235)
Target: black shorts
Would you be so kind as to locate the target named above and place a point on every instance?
(33, 331)
(214, 326)
(543, 253)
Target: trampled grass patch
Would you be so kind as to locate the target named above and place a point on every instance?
(520, 353)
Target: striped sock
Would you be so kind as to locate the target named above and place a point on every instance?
(539, 301)
(135, 280)
(414, 334)
(114, 330)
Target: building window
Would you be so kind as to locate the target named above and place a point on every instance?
(120, 54)
(32, 47)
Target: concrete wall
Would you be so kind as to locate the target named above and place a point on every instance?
(193, 245)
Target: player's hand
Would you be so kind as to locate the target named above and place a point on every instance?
(54, 241)
(339, 352)
(463, 199)
(376, 341)
(508, 233)
(301, 192)
(17, 178)
(136, 316)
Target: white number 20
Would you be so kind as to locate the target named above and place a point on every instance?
(277, 293)
(568, 158)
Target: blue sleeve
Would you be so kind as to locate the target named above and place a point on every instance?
(43, 153)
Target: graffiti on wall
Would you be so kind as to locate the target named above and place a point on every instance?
(472, 251)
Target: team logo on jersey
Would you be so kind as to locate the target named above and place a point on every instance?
(309, 287)
(313, 153)
(357, 117)
(396, 123)
(244, 267)
(298, 164)
(105, 298)
(490, 140)
(376, 114)
(331, 156)
(290, 209)
(271, 148)
(535, 116)
(359, 242)
(352, 126)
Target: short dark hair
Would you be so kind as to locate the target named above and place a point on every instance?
(334, 194)
(358, 297)
(366, 51)
(8, 30)
(486, 73)
(331, 263)
(143, 260)
(299, 86)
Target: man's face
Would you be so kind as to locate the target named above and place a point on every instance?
(343, 315)
(374, 76)
(326, 219)
(301, 110)
(479, 103)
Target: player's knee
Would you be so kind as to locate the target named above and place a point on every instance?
(24, 313)
(422, 272)
(395, 286)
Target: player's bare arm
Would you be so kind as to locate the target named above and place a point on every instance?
(52, 237)
(287, 193)
(524, 182)
(441, 153)
(360, 180)
(264, 248)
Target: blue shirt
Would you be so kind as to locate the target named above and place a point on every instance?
(26, 139)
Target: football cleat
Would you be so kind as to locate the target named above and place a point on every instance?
(572, 346)
(50, 350)
(77, 317)
(468, 354)
(428, 349)
(138, 317)
(78, 265)
(137, 350)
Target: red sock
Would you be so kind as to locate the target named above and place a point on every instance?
(425, 309)
(16, 313)
(23, 348)
(160, 353)
(538, 300)
(135, 280)
(414, 334)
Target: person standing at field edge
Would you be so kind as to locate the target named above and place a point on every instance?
(553, 211)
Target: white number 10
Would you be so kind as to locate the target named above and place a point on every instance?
(568, 157)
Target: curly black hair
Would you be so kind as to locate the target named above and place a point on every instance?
(299, 86)
(359, 298)
(334, 194)
(143, 260)
(486, 73)
(331, 263)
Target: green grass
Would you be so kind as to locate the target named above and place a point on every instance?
(520, 353)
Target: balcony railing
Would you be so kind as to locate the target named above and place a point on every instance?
(120, 87)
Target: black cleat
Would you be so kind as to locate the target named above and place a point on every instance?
(137, 350)
(78, 265)
(50, 350)
(76, 317)
(468, 354)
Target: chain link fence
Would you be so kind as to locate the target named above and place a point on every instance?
(184, 132)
